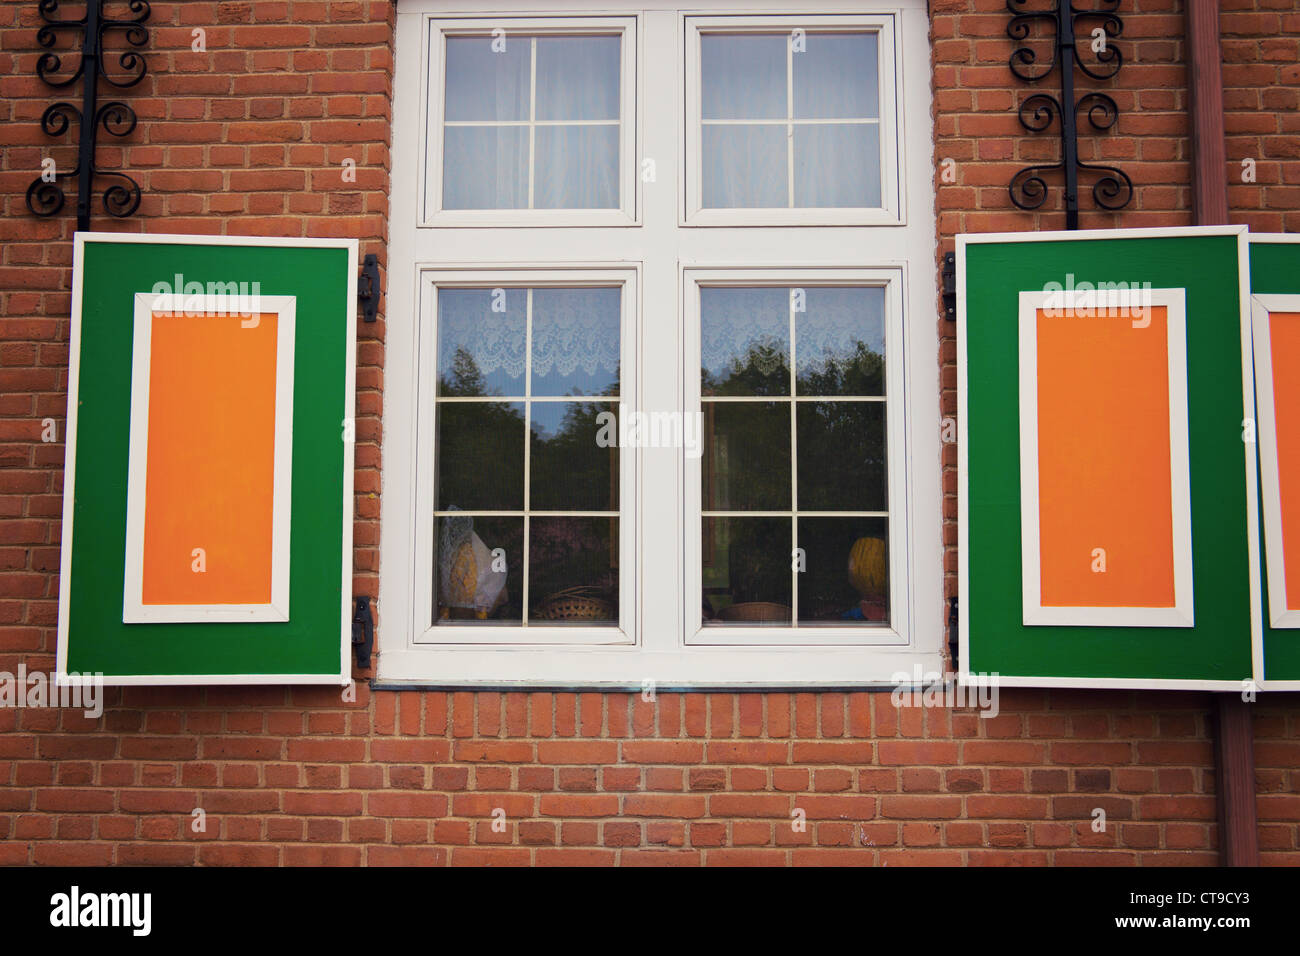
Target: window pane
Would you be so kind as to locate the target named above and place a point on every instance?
(571, 471)
(479, 455)
(842, 456)
(745, 166)
(846, 579)
(576, 342)
(572, 571)
(743, 77)
(578, 78)
(745, 341)
(836, 77)
(483, 84)
(481, 350)
(840, 342)
(470, 584)
(747, 456)
(837, 165)
(485, 167)
(577, 167)
(747, 571)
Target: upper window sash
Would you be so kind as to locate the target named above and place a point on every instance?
(434, 204)
(799, 32)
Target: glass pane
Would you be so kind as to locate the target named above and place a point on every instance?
(846, 577)
(837, 77)
(478, 570)
(577, 167)
(745, 166)
(747, 456)
(576, 341)
(485, 167)
(573, 571)
(481, 341)
(574, 465)
(747, 571)
(479, 455)
(577, 78)
(837, 165)
(743, 77)
(745, 341)
(842, 456)
(487, 84)
(840, 342)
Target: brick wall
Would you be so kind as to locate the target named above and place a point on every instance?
(250, 137)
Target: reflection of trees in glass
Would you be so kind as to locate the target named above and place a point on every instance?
(841, 456)
(570, 471)
(765, 370)
(861, 372)
(463, 379)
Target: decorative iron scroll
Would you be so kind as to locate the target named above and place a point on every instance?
(121, 197)
(1112, 189)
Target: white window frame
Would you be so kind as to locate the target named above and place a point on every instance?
(488, 277)
(660, 249)
(891, 211)
(134, 610)
(1174, 301)
(896, 472)
(1262, 308)
(437, 30)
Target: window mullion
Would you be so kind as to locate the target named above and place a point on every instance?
(528, 445)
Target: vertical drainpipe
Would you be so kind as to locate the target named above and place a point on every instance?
(1234, 747)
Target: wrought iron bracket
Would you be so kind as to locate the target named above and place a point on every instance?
(1097, 27)
(121, 198)
(368, 288)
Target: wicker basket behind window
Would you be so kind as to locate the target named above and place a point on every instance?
(575, 604)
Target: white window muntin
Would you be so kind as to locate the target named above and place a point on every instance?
(431, 281)
(433, 72)
(890, 213)
(896, 462)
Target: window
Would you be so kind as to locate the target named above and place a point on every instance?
(620, 449)
(531, 121)
(790, 120)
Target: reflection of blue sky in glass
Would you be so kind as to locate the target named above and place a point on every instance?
(487, 85)
(828, 334)
(835, 77)
(745, 329)
(576, 341)
(577, 78)
(492, 343)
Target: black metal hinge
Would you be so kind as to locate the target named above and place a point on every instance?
(953, 628)
(949, 277)
(363, 631)
(368, 287)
